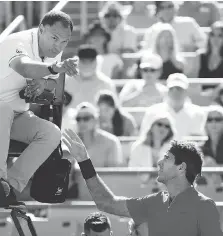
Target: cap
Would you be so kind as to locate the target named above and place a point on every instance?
(151, 60)
(177, 80)
(86, 107)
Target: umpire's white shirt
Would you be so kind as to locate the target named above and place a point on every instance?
(16, 45)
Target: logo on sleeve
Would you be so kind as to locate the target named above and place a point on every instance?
(18, 51)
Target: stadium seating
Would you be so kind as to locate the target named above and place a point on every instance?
(136, 182)
(127, 142)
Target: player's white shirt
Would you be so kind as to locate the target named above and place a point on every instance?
(15, 45)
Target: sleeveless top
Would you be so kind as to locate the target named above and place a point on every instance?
(168, 69)
(204, 70)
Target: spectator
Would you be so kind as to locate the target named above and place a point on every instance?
(104, 148)
(218, 95)
(123, 36)
(137, 230)
(97, 224)
(213, 147)
(188, 118)
(108, 63)
(152, 146)
(2, 16)
(147, 91)
(190, 35)
(112, 118)
(140, 15)
(204, 12)
(90, 82)
(209, 64)
(164, 42)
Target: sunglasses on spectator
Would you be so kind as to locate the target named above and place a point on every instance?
(146, 70)
(170, 6)
(109, 15)
(160, 124)
(216, 35)
(83, 118)
(214, 119)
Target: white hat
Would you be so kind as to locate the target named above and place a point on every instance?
(177, 80)
(151, 60)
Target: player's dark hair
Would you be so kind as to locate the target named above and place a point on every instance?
(190, 154)
(52, 17)
(96, 222)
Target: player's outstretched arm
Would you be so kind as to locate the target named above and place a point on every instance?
(104, 198)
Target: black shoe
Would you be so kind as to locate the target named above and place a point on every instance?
(8, 197)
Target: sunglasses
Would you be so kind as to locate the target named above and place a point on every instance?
(160, 124)
(84, 118)
(170, 6)
(214, 119)
(111, 15)
(147, 70)
(216, 35)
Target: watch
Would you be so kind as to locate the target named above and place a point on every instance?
(51, 70)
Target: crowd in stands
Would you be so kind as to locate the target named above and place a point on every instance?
(159, 48)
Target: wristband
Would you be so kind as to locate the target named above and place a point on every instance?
(51, 70)
(87, 169)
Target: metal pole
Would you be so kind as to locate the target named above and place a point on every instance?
(84, 12)
(29, 13)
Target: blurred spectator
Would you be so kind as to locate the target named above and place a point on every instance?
(108, 63)
(2, 16)
(213, 147)
(104, 148)
(164, 42)
(188, 118)
(204, 12)
(209, 64)
(189, 33)
(140, 15)
(152, 146)
(90, 82)
(97, 224)
(112, 118)
(147, 91)
(138, 230)
(218, 95)
(123, 36)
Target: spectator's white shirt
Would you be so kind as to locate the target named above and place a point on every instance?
(85, 90)
(16, 45)
(190, 120)
(108, 62)
(189, 34)
(141, 155)
(133, 94)
(123, 37)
